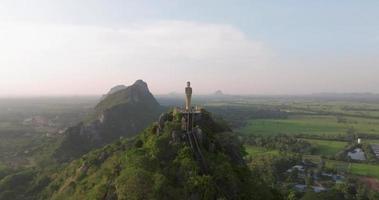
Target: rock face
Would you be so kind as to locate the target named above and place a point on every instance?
(113, 90)
(137, 94)
(122, 113)
(116, 89)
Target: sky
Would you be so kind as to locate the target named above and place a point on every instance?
(84, 47)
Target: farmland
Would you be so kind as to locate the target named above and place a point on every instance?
(360, 169)
(312, 125)
(365, 169)
(329, 126)
(327, 147)
(255, 151)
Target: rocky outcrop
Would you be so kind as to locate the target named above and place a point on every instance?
(116, 89)
(122, 113)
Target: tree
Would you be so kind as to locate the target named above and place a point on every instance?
(291, 195)
(293, 175)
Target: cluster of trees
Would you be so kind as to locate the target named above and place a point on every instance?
(286, 143)
(272, 168)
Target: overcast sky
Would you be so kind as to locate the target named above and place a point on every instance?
(81, 47)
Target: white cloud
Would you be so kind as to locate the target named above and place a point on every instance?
(40, 54)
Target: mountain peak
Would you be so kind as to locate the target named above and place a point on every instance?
(142, 84)
(218, 93)
(136, 93)
(123, 113)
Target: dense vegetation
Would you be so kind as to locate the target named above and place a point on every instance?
(286, 143)
(150, 166)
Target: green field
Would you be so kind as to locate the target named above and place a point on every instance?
(370, 141)
(256, 151)
(365, 170)
(311, 125)
(360, 169)
(327, 147)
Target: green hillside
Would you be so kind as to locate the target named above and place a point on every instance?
(152, 166)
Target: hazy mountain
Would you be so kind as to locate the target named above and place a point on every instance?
(122, 113)
(218, 93)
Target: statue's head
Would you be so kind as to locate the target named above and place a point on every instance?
(188, 84)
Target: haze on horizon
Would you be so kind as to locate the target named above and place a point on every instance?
(51, 47)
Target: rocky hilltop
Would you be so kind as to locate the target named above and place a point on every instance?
(113, 90)
(122, 113)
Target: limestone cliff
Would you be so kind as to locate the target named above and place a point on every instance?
(122, 113)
